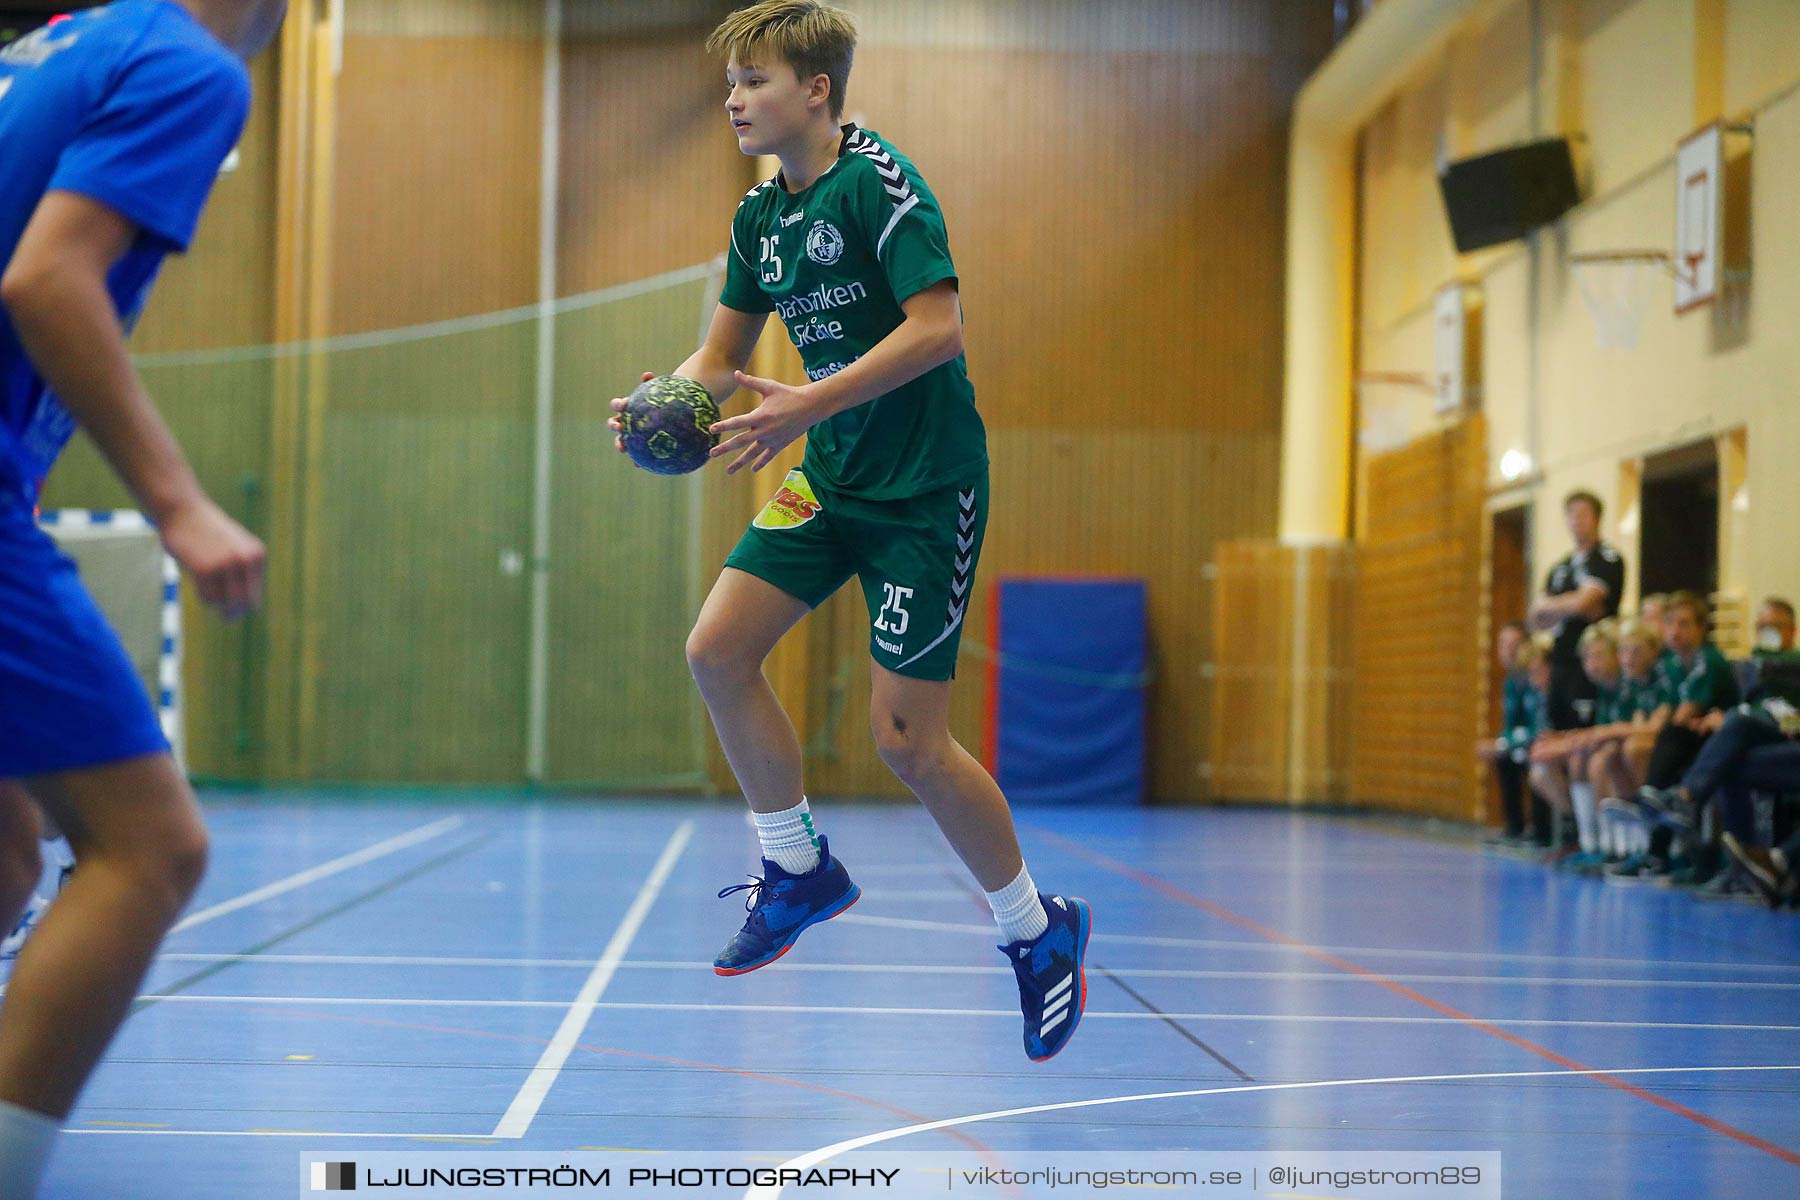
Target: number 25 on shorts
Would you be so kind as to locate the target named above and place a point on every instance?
(894, 604)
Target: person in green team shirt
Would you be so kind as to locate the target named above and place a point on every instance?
(846, 246)
(1696, 680)
(1498, 751)
(1633, 714)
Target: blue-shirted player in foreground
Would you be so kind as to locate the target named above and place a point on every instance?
(113, 125)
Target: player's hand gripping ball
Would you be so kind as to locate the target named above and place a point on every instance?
(667, 425)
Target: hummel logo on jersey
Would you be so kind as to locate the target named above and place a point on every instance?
(893, 179)
(793, 217)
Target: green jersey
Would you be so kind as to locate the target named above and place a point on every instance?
(1705, 680)
(1636, 698)
(1606, 702)
(835, 262)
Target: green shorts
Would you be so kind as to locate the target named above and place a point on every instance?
(915, 557)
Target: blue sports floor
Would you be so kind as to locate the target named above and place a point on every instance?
(529, 973)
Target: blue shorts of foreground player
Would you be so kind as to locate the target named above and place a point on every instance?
(69, 696)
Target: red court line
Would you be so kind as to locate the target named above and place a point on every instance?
(1225, 914)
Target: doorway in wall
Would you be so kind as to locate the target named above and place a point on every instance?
(1679, 534)
(1509, 592)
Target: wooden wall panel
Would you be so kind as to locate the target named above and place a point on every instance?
(651, 173)
(1417, 700)
(1281, 635)
(436, 205)
(1118, 223)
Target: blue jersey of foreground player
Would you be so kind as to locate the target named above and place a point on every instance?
(134, 105)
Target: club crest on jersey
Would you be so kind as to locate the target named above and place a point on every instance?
(792, 505)
(824, 244)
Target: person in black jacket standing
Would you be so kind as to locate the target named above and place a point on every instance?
(1581, 589)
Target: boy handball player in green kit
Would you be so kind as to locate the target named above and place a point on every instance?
(847, 245)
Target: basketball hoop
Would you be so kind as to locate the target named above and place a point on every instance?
(1417, 380)
(1385, 426)
(1618, 286)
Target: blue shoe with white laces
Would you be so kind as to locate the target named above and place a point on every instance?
(1052, 984)
(781, 907)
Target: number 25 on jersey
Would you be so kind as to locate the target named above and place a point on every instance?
(771, 259)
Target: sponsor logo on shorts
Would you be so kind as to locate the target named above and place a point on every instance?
(792, 505)
(890, 647)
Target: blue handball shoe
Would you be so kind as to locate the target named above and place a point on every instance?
(1052, 984)
(781, 907)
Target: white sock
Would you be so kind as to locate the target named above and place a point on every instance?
(1581, 797)
(788, 838)
(1612, 839)
(26, 1138)
(59, 856)
(1018, 911)
(1638, 836)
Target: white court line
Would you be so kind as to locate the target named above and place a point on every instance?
(1125, 939)
(525, 1105)
(282, 1133)
(639, 964)
(336, 866)
(877, 1011)
(813, 1158)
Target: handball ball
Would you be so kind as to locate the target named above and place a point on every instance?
(668, 425)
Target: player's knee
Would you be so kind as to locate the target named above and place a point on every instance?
(715, 657)
(910, 752)
(186, 862)
(167, 869)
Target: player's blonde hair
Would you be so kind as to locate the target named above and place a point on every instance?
(1641, 633)
(811, 37)
(1533, 650)
(1601, 633)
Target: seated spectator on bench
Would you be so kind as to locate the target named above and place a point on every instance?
(1560, 762)
(1527, 724)
(1634, 707)
(1497, 751)
(1751, 748)
(1695, 680)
